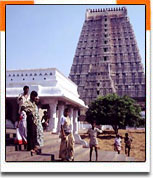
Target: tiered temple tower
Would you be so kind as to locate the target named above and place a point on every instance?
(107, 58)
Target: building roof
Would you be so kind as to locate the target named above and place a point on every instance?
(48, 82)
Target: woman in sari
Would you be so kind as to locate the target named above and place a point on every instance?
(32, 117)
(66, 152)
(40, 134)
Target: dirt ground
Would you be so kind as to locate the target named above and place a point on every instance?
(106, 141)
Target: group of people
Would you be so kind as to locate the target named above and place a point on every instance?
(118, 143)
(29, 126)
(93, 143)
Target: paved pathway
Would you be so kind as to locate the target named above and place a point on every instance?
(51, 146)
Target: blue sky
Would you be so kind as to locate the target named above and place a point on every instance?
(42, 36)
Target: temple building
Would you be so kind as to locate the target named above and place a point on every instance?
(56, 92)
(107, 58)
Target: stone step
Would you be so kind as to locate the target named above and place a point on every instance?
(17, 155)
(42, 157)
(52, 146)
(55, 151)
(81, 154)
(47, 150)
(10, 148)
(46, 154)
(13, 155)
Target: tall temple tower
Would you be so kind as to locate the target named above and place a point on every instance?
(107, 58)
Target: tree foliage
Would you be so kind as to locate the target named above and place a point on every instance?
(114, 110)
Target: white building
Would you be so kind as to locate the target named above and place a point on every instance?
(56, 92)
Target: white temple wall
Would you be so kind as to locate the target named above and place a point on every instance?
(56, 92)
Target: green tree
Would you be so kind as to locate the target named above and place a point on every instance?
(114, 110)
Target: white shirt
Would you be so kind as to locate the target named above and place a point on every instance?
(66, 123)
(22, 100)
(118, 141)
(62, 121)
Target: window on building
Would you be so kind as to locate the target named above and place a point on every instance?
(13, 75)
(105, 58)
(140, 80)
(105, 49)
(40, 74)
(23, 79)
(105, 42)
(98, 92)
(98, 84)
(11, 79)
(26, 75)
(22, 75)
(35, 74)
(33, 79)
(44, 78)
(46, 74)
(17, 75)
(30, 74)
(51, 74)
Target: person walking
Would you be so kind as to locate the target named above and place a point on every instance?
(93, 139)
(66, 152)
(127, 141)
(117, 144)
(32, 114)
(40, 134)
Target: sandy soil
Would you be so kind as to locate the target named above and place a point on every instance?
(106, 141)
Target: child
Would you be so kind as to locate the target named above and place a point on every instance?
(93, 139)
(127, 141)
(22, 126)
(117, 144)
(45, 121)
